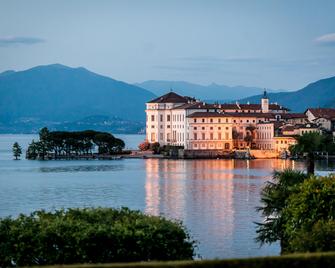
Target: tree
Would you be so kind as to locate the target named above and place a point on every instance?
(249, 138)
(17, 150)
(310, 216)
(91, 235)
(308, 144)
(274, 198)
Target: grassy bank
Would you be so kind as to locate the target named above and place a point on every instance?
(295, 260)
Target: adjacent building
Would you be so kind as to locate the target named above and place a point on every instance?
(195, 125)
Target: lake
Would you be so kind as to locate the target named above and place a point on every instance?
(215, 199)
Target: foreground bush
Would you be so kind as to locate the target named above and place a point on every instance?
(91, 236)
(274, 200)
(310, 216)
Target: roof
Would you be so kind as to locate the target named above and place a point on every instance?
(170, 97)
(328, 113)
(207, 114)
(237, 115)
(258, 115)
(293, 115)
(196, 105)
(242, 106)
(288, 128)
(307, 125)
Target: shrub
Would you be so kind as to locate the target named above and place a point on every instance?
(274, 198)
(155, 147)
(144, 146)
(310, 216)
(91, 236)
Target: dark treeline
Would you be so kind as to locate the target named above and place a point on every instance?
(59, 144)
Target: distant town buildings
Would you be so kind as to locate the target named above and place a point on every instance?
(195, 125)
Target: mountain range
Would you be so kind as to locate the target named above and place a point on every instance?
(62, 97)
(212, 92)
(56, 94)
(318, 94)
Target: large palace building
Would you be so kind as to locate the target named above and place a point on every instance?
(195, 125)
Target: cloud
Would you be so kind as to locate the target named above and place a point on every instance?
(23, 40)
(327, 39)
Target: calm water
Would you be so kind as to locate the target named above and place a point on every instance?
(215, 199)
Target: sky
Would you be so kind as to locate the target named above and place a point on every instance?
(267, 43)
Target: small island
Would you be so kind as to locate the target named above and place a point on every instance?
(88, 144)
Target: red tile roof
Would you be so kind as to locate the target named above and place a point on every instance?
(234, 106)
(196, 105)
(236, 115)
(170, 97)
(323, 112)
(207, 114)
(293, 115)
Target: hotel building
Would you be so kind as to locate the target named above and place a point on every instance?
(195, 125)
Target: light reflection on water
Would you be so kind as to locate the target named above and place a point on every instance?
(215, 199)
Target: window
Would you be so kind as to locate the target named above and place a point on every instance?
(152, 126)
(219, 120)
(211, 128)
(203, 128)
(219, 128)
(153, 137)
(195, 136)
(219, 136)
(195, 120)
(211, 120)
(195, 128)
(161, 136)
(168, 118)
(161, 118)
(168, 126)
(211, 136)
(203, 120)
(227, 146)
(203, 136)
(152, 118)
(161, 126)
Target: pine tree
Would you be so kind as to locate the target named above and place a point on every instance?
(17, 150)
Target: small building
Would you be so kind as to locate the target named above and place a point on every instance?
(323, 117)
(283, 143)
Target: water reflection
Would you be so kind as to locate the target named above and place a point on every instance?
(81, 168)
(215, 198)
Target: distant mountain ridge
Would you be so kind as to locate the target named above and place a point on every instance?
(317, 94)
(213, 92)
(60, 93)
(62, 97)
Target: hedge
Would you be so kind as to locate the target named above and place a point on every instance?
(90, 235)
(307, 260)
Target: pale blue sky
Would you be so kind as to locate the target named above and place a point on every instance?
(275, 44)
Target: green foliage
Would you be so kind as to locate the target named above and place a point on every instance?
(308, 144)
(310, 216)
(274, 198)
(64, 143)
(17, 150)
(155, 147)
(91, 236)
(299, 212)
(310, 260)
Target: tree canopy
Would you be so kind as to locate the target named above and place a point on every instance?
(60, 143)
